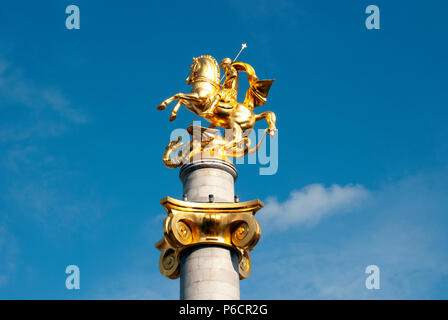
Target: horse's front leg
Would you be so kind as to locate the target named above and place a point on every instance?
(175, 109)
(177, 96)
(183, 99)
(166, 102)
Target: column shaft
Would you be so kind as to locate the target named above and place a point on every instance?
(209, 272)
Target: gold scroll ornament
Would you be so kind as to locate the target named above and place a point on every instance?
(188, 224)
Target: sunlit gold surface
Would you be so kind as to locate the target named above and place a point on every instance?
(188, 224)
(218, 105)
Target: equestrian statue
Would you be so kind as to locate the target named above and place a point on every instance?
(217, 103)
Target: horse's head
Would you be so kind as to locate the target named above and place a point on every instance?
(204, 67)
(194, 71)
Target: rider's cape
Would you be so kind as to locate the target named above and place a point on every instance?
(258, 89)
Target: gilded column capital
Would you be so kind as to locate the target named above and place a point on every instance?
(189, 224)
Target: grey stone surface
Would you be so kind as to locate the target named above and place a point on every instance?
(209, 176)
(209, 272)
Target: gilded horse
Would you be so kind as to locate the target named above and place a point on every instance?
(204, 77)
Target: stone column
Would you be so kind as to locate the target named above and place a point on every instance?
(209, 272)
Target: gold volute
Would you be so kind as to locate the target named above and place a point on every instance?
(189, 224)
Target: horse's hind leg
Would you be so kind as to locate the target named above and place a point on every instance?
(270, 118)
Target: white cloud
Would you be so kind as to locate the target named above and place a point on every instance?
(40, 128)
(403, 232)
(21, 89)
(34, 183)
(37, 186)
(310, 204)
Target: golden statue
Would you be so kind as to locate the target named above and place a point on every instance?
(229, 224)
(218, 105)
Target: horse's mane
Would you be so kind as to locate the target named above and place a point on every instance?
(215, 64)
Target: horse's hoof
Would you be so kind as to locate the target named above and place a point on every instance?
(161, 107)
(272, 132)
(173, 117)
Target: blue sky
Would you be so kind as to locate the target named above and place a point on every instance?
(362, 173)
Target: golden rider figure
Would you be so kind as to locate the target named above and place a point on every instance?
(229, 91)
